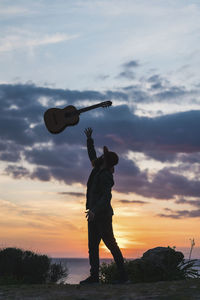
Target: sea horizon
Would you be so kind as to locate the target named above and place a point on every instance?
(185, 250)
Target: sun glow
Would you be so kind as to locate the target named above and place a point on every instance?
(123, 242)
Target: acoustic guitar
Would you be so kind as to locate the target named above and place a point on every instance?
(56, 119)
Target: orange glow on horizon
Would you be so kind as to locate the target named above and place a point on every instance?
(50, 222)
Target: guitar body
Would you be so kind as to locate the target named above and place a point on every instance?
(56, 119)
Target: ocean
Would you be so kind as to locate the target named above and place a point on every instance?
(79, 268)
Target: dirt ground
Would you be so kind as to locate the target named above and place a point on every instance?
(173, 290)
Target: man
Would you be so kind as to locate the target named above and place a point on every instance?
(99, 210)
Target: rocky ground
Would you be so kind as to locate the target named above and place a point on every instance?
(174, 290)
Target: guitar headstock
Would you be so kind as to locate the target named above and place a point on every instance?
(106, 103)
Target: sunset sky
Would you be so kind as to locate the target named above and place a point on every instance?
(144, 56)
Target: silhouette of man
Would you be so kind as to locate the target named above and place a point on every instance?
(99, 211)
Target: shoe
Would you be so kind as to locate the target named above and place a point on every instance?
(90, 280)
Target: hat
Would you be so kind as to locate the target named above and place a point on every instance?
(111, 158)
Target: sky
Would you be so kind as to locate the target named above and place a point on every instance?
(144, 57)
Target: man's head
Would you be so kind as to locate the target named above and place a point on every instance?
(110, 158)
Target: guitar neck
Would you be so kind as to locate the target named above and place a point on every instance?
(90, 107)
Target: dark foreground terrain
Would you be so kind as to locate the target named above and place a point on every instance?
(174, 290)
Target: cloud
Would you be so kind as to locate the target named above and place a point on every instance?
(76, 194)
(157, 89)
(25, 39)
(172, 92)
(17, 171)
(165, 185)
(63, 157)
(127, 74)
(9, 152)
(140, 202)
(194, 202)
(127, 68)
(32, 218)
(102, 77)
(180, 214)
(131, 64)
(13, 10)
(156, 81)
(191, 158)
(42, 174)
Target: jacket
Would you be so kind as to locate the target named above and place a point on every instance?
(99, 186)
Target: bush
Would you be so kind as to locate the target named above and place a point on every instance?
(140, 270)
(19, 266)
(57, 272)
(108, 272)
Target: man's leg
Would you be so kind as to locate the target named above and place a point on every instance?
(110, 242)
(93, 244)
(94, 239)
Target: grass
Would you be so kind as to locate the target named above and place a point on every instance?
(163, 290)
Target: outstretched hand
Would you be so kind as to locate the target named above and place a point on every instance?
(88, 132)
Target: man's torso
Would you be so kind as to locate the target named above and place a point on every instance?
(95, 189)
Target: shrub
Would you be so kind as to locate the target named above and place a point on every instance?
(19, 266)
(140, 270)
(57, 272)
(188, 269)
(108, 272)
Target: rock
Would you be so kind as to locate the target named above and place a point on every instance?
(157, 264)
(163, 257)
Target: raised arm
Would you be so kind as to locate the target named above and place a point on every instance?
(90, 144)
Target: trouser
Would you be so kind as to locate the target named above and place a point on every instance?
(101, 228)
